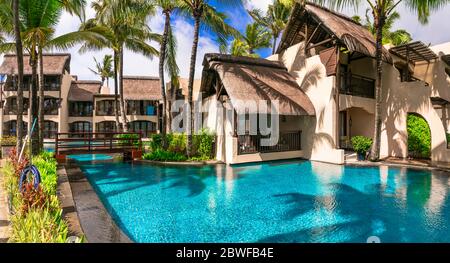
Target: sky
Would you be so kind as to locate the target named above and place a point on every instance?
(435, 32)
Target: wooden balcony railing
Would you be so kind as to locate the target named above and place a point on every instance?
(288, 141)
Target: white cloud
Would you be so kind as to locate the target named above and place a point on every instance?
(136, 64)
(259, 4)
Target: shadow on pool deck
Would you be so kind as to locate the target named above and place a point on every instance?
(97, 224)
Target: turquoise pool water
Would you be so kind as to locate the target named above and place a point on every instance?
(295, 201)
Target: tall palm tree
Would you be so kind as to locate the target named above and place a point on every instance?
(122, 23)
(396, 38)
(167, 57)
(37, 22)
(381, 9)
(207, 17)
(19, 53)
(104, 69)
(275, 19)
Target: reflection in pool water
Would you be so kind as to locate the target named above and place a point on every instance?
(297, 201)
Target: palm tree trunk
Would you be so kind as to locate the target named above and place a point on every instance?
(274, 45)
(162, 56)
(41, 100)
(34, 102)
(190, 125)
(116, 90)
(19, 53)
(122, 100)
(379, 23)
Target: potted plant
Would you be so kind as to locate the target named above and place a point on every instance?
(361, 145)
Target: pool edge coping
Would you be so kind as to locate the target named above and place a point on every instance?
(102, 219)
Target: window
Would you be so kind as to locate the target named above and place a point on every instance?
(50, 129)
(105, 108)
(80, 109)
(141, 107)
(80, 127)
(51, 106)
(106, 126)
(11, 106)
(52, 83)
(146, 128)
(10, 128)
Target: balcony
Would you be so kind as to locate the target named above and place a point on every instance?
(251, 144)
(51, 83)
(142, 108)
(356, 85)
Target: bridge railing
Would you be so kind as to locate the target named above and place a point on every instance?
(85, 142)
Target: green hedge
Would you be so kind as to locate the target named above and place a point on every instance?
(202, 148)
(37, 216)
(419, 137)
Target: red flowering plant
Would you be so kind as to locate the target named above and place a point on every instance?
(18, 165)
(32, 197)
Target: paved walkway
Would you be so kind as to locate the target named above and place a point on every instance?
(4, 215)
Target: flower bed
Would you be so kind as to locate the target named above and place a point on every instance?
(36, 213)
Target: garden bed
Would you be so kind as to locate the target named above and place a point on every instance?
(36, 214)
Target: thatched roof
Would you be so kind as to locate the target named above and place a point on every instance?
(54, 64)
(182, 90)
(141, 88)
(252, 79)
(84, 90)
(330, 24)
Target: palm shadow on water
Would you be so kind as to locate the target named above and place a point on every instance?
(373, 212)
(192, 178)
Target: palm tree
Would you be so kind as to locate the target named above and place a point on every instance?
(122, 23)
(381, 9)
(104, 69)
(256, 37)
(37, 22)
(19, 53)
(396, 38)
(207, 17)
(167, 57)
(275, 20)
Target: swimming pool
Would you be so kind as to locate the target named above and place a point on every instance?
(294, 201)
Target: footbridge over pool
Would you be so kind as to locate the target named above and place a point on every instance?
(127, 143)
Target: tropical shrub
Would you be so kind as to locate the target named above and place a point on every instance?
(8, 141)
(361, 144)
(203, 145)
(419, 137)
(128, 139)
(165, 156)
(176, 142)
(46, 165)
(156, 142)
(44, 225)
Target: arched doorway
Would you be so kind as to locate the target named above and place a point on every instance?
(419, 137)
